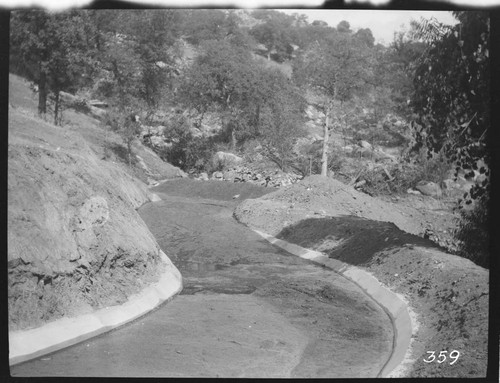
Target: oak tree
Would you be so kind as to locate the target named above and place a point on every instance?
(53, 50)
(337, 68)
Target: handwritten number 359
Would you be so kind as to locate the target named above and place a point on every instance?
(442, 356)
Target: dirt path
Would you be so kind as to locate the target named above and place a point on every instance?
(248, 309)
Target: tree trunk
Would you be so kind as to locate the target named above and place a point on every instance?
(57, 100)
(42, 94)
(129, 149)
(233, 139)
(324, 158)
(257, 119)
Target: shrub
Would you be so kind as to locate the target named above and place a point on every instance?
(335, 161)
(80, 105)
(126, 125)
(377, 183)
(407, 174)
(435, 166)
(473, 233)
(187, 152)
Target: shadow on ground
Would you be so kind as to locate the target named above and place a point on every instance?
(351, 239)
(121, 152)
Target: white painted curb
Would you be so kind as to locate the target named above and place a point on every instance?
(388, 300)
(65, 332)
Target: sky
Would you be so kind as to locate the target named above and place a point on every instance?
(382, 23)
(65, 4)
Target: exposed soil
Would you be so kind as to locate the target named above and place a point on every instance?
(345, 330)
(248, 309)
(75, 240)
(76, 244)
(448, 294)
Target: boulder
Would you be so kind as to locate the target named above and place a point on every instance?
(98, 104)
(229, 175)
(203, 176)
(158, 142)
(217, 176)
(380, 155)
(364, 152)
(411, 191)
(431, 189)
(365, 144)
(96, 112)
(226, 159)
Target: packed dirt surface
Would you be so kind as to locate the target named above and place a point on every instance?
(318, 196)
(348, 334)
(248, 309)
(75, 240)
(448, 294)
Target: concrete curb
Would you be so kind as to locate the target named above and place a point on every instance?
(65, 332)
(393, 304)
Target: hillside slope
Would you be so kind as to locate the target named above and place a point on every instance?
(75, 241)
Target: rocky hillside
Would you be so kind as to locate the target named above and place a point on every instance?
(75, 241)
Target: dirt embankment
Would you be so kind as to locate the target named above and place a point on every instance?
(448, 294)
(75, 240)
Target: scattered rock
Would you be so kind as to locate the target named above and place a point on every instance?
(94, 212)
(258, 177)
(429, 189)
(447, 184)
(226, 160)
(359, 184)
(217, 176)
(98, 104)
(365, 144)
(348, 149)
(159, 142)
(411, 191)
(203, 176)
(229, 176)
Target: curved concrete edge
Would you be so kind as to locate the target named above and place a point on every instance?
(29, 344)
(392, 303)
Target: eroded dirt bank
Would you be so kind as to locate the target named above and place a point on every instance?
(75, 240)
(449, 294)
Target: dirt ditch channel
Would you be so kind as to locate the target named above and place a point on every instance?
(248, 309)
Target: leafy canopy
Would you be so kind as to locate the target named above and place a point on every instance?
(451, 100)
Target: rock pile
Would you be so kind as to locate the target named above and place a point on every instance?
(153, 136)
(225, 160)
(274, 178)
